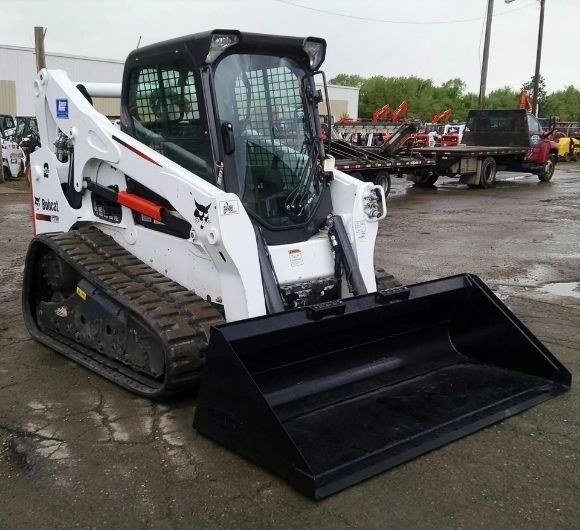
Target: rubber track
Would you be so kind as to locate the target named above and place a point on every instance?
(180, 318)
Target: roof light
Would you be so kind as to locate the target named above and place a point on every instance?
(315, 49)
(219, 43)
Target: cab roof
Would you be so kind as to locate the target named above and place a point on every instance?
(197, 46)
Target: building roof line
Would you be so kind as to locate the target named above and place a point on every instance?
(63, 55)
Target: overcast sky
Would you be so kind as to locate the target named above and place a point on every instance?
(413, 43)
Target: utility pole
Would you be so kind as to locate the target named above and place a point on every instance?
(485, 59)
(538, 58)
(39, 48)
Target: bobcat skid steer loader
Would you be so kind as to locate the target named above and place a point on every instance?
(210, 237)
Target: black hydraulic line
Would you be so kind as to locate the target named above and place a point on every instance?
(74, 198)
(352, 271)
(272, 296)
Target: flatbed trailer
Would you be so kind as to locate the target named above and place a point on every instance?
(502, 140)
(380, 171)
(380, 164)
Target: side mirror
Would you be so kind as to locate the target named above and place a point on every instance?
(318, 98)
(228, 138)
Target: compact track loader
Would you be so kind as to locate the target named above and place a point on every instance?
(211, 231)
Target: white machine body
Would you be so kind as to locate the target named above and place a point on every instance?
(13, 158)
(219, 261)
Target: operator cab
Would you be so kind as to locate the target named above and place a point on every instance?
(25, 125)
(243, 119)
(7, 124)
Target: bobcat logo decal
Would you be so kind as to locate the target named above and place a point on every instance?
(201, 214)
(36, 202)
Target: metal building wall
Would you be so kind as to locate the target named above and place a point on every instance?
(18, 64)
(8, 97)
(343, 101)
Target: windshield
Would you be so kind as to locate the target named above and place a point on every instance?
(277, 154)
(21, 126)
(7, 122)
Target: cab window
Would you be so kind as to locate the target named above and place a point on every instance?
(164, 105)
(534, 125)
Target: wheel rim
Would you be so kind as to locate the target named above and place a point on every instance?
(549, 169)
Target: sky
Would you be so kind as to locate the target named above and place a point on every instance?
(436, 39)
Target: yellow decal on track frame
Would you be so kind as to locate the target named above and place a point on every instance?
(81, 293)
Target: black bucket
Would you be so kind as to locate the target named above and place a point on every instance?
(330, 395)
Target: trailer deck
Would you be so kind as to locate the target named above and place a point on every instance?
(471, 150)
(395, 162)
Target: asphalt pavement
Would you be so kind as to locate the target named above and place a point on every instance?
(77, 452)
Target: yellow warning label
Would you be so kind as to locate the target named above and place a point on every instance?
(81, 293)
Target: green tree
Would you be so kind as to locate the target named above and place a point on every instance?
(502, 98)
(426, 99)
(564, 103)
(347, 80)
(379, 90)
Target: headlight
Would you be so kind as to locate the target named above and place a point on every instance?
(315, 49)
(219, 43)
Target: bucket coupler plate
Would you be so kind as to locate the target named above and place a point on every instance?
(328, 398)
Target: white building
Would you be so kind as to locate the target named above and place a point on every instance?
(343, 101)
(18, 71)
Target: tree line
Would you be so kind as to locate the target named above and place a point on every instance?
(426, 98)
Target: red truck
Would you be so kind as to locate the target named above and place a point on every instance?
(494, 140)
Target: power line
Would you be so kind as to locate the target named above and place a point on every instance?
(403, 22)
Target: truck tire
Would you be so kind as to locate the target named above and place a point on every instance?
(488, 173)
(383, 178)
(548, 172)
(428, 178)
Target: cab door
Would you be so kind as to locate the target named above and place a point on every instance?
(540, 147)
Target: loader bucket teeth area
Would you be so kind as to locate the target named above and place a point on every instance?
(328, 401)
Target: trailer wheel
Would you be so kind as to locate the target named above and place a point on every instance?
(488, 173)
(548, 172)
(383, 179)
(427, 178)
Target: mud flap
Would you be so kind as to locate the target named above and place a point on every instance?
(328, 396)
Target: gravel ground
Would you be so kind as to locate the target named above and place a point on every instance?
(77, 452)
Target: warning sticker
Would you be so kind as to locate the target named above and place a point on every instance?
(360, 227)
(295, 255)
(81, 293)
(229, 207)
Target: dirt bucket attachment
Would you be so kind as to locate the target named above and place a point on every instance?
(333, 394)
